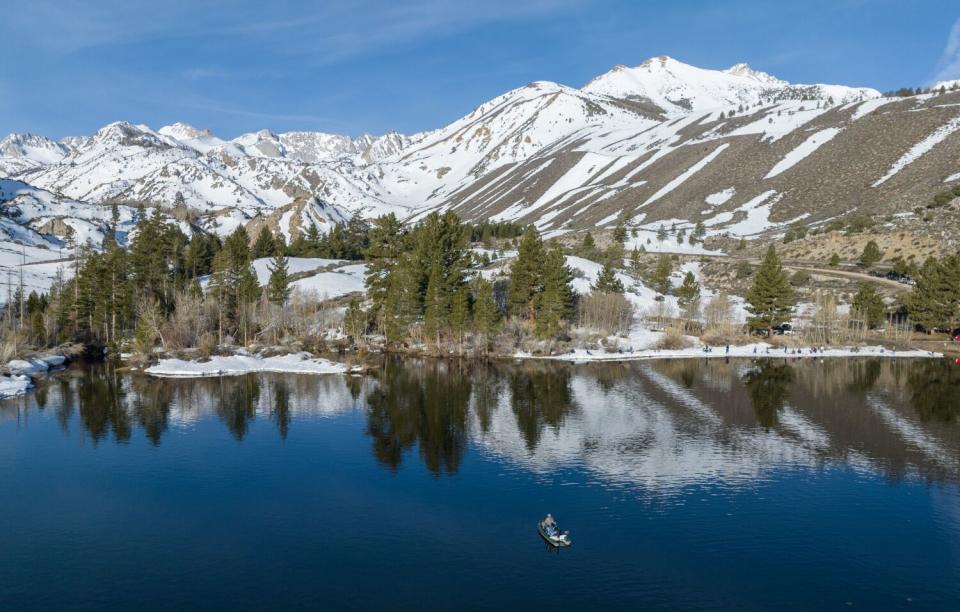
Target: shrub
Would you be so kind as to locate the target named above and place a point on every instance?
(207, 344)
(800, 278)
(673, 339)
(744, 270)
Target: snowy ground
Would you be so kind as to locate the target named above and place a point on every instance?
(297, 363)
(336, 283)
(295, 265)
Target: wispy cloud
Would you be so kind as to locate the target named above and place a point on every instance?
(949, 65)
(325, 32)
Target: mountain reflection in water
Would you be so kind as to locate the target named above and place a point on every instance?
(654, 424)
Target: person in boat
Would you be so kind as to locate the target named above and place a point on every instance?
(550, 526)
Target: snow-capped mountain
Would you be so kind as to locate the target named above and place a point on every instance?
(738, 149)
(679, 88)
(28, 150)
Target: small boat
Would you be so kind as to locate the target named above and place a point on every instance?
(559, 540)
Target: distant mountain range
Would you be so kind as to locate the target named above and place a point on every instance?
(738, 149)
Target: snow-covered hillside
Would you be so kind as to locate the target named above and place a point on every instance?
(661, 141)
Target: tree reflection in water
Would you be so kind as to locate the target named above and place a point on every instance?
(237, 403)
(151, 407)
(280, 410)
(540, 396)
(899, 414)
(768, 385)
(102, 406)
(425, 403)
(935, 391)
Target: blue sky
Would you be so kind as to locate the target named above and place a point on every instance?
(71, 66)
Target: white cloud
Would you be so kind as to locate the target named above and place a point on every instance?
(949, 65)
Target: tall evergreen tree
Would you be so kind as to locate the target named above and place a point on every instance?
(460, 313)
(868, 304)
(385, 241)
(278, 286)
(436, 304)
(555, 301)
(526, 276)
(935, 300)
(688, 296)
(770, 299)
(486, 315)
(265, 244)
(355, 237)
(660, 282)
(620, 232)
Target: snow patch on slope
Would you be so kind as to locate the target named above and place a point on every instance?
(917, 150)
(686, 174)
(721, 197)
(807, 147)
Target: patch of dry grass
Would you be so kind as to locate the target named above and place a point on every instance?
(673, 339)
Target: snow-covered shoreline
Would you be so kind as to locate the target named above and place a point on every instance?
(14, 385)
(755, 350)
(19, 382)
(234, 365)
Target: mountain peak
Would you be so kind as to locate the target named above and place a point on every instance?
(184, 131)
(744, 70)
(680, 88)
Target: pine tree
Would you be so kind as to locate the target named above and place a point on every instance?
(636, 265)
(555, 302)
(620, 233)
(770, 299)
(383, 253)
(607, 281)
(700, 230)
(834, 260)
(486, 315)
(661, 233)
(868, 304)
(311, 242)
(588, 247)
(460, 313)
(935, 300)
(436, 305)
(688, 297)
(660, 282)
(871, 254)
(265, 245)
(278, 286)
(525, 276)
(356, 237)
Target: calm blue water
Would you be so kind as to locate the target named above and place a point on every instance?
(685, 485)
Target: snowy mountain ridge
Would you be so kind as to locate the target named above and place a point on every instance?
(679, 88)
(650, 144)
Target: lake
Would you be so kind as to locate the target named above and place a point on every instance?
(686, 485)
